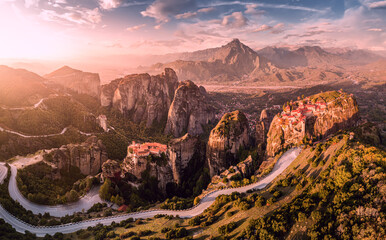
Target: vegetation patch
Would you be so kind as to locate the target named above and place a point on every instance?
(37, 183)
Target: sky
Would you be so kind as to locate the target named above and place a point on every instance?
(66, 29)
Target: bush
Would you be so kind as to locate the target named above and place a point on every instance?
(127, 234)
(176, 233)
(144, 233)
(227, 228)
(195, 221)
(196, 201)
(277, 194)
(260, 201)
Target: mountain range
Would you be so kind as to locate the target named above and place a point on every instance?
(236, 63)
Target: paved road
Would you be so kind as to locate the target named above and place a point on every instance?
(3, 172)
(85, 202)
(44, 135)
(280, 166)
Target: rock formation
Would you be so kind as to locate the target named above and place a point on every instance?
(111, 169)
(102, 121)
(88, 156)
(76, 80)
(189, 110)
(225, 140)
(181, 152)
(141, 97)
(316, 116)
(158, 168)
(262, 126)
(173, 165)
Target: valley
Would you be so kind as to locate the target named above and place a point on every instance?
(225, 143)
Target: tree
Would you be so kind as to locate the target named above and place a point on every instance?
(196, 201)
(104, 191)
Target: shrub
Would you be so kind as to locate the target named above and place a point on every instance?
(227, 228)
(260, 201)
(176, 233)
(195, 221)
(277, 194)
(145, 233)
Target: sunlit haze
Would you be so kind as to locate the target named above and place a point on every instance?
(88, 30)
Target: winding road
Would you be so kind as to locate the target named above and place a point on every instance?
(45, 135)
(61, 210)
(284, 161)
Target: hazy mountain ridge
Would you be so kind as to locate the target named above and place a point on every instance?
(236, 62)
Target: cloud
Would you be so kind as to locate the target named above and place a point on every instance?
(252, 10)
(205, 10)
(375, 30)
(135, 28)
(77, 15)
(31, 3)
(186, 15)
(278, 28)
(379, 4)
(161, 10)
(262, 28)
(269, 5)
(193, 14)
(109, 4)
(158, 26)
(236, 19)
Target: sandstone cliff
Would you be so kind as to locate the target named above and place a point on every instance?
(111, 169)
(225, 140)
(157, 167)
(314, 117)
(175, 166)
(262, 126)
(189, 111)
(88, 156)
(141, 97)
(76, 80)
(181, 152)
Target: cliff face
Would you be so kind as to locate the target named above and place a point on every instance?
(88, 156)
(316, 116)
(189, 110)
(181, 152)
(76, 80)
(160, 169)
(262, 126)
(225, 139)
(141, 97)
(173, 167)
(111, 169)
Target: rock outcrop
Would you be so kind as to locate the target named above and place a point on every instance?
(141, 97)
(111, 169)
(262, 126)
(225, 140)
(314, 117)
(189, 111)
(175, 165)
(88, 156)
(76, 80)
(181, 151)
(157, 167)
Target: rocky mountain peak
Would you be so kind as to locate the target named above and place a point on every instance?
(76, 80)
